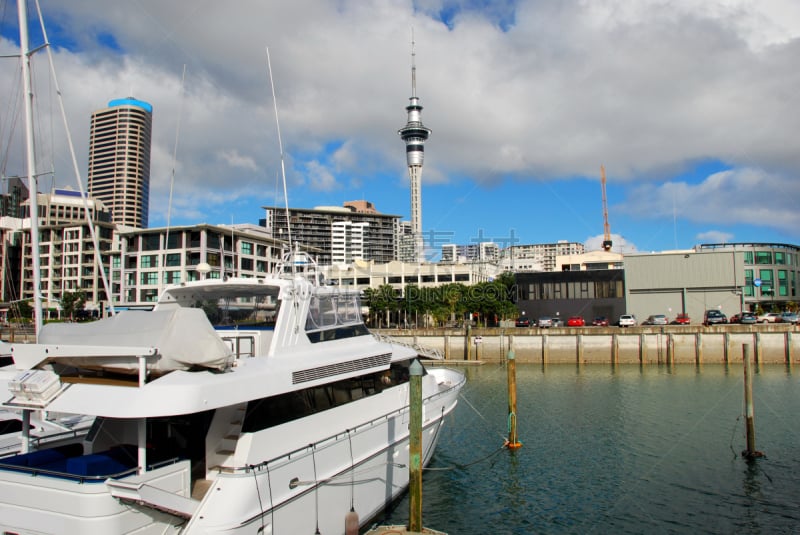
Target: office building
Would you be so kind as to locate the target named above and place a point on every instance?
(119, 160)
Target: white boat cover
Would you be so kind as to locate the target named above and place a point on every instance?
(183, 338)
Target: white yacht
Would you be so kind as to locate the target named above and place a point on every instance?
(233, 406)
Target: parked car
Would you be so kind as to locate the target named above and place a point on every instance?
(682, 319)
(656, 319)
(627, 320)
(600, 321)
(575, 321)
(523, 321)
(557, 322)
(789, 317)
(747, 318)
(545, 322)
(770, 317)
(714, 317)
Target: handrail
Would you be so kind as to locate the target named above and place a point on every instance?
(422, 351)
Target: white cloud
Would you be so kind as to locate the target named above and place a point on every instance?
(619, 244)
(714, 236)
(528, 89)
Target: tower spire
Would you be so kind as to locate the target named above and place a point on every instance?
(414, 134)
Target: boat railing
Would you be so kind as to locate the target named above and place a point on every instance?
(36, 442)
(422, 351)
(87, 468)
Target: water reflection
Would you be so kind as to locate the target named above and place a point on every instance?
(623, 449)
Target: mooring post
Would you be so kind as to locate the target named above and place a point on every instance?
(750, 452)
(579, 348)
(415, 448)
(545, 349)
(698, 348)
(642, 348)
(512, 442)
(787, 345)
(467, 344)
(614, 348)
(727, 342)
(447, 347)
(670, 350)
(758, 349)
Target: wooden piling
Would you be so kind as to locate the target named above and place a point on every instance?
(698, 348)
(727, 344)
(642, 348)
(545, 349)
(758, 358)
(670, 350)
(415, 447)
(614, 349)
(751, 451)
(447, 347)
(512, 442)
(467, 344)
(787, 347)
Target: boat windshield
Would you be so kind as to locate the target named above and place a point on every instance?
(331, 310)
(240, 311)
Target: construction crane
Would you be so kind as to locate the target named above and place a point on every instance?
(606, 229)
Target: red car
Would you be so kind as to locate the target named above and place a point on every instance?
(575, 321)
(682, 319)
(600, 321)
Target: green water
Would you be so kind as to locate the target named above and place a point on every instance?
(617, 450)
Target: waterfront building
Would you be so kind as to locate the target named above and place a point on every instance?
(731, 277)
(68, 262)
(362, 274)
(358, 235)
(119, 160)
(590, 261)
(538, 256)
(146, 260)
(474, 252)
(414, 134)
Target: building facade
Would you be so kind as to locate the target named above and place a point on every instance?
(145, 261)
(538, 256)
(368, 235)
(68, 259)
(119, 160)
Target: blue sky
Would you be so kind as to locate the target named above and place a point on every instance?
(691, 107)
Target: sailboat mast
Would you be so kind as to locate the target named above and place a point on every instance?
(33, 185)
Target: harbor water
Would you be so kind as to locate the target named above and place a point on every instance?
(617, 449)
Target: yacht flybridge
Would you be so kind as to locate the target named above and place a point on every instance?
(233, 406)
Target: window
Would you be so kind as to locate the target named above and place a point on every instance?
(766, 282)
(149, 261)
(172, 277)
(247, 248)
(763, 257)
(247, 264)
(173, 259)
(783, 283)
(748, 257)
(748, 282)
(780, 257)
(150, 277)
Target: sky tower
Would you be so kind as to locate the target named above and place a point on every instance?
(414, 134)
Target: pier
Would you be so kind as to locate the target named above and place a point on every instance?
(671, 344)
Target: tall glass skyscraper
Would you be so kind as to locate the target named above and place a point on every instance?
(119, 160)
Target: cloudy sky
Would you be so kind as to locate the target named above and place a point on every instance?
(692, 107)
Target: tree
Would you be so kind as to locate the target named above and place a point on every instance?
(72, 302)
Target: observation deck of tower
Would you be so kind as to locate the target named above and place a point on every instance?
(414, 134)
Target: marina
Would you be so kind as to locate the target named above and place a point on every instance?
(623, 449)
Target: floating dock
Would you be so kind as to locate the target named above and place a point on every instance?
(402, 530)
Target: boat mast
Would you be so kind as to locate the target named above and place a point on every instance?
(33, 185)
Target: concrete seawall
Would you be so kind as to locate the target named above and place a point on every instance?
(692, 344)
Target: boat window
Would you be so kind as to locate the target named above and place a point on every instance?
(276, 410)
(241, 311)
(328, 311)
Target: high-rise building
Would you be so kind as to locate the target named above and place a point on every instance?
(119, 160)
(414, 134)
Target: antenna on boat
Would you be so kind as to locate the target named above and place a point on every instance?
(172, 180)
(283, 167)
(84, 198)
